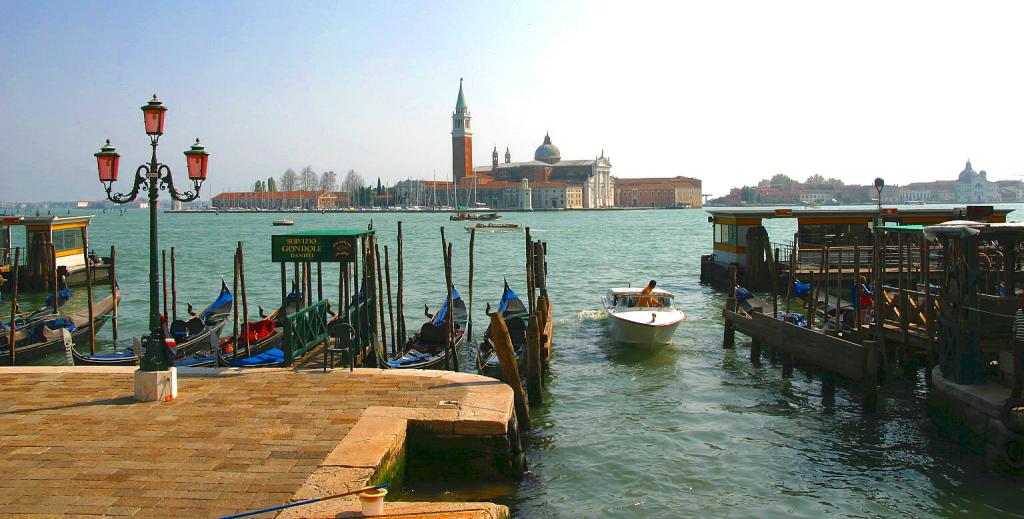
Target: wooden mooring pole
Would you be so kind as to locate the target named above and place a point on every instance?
(509, 368)
(88, 291)
(174, 288)
(529, 272)
(472, 242)
(245, 298)
(56, 282)
(113, 289)
(391, 312)
(11, 343)
(729, 340)
(234, 298)
(400, 307)
(380, 300)
(534, 363)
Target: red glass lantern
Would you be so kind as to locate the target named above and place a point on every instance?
(153, 115)
(197, 158)
(106, 161)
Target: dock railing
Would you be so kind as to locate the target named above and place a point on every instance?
(305, 329)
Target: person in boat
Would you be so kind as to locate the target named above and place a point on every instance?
(646, 300)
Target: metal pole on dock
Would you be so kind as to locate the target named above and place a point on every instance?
(319, 282)
(88, 291)
(113, 289)
(828, 286)
(472, 242)
(163, 268)
(174, 289)
(245, 297)
(400, 304)
(11, 342)
(775, 285)
(509, 367)
(391, 312)
(792, 273)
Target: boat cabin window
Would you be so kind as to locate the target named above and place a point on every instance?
(725, 233)
(67, 239)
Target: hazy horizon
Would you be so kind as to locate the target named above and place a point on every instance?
(728, 93)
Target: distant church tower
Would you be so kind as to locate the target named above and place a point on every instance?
(462, 140)
(508, 156)
(494, 158)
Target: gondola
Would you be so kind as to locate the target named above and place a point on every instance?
(190, 335)
(428, 349)
(44, 313)
(44, 337)
(516, 318)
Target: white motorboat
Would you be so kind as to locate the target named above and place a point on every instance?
(642, 320)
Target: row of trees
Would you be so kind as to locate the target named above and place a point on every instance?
(308, 180)
(783, 181)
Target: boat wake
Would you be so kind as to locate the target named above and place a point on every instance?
(591, 315)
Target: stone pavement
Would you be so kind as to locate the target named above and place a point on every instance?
(74, 442)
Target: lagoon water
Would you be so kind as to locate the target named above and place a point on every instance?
(687, 430)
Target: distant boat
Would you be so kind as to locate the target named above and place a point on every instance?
(915, 202)
(467, 216)
(283, 222)
(494, 227)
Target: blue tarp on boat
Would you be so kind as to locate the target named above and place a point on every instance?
(506, 297)
(271, 356)
(801, 289)
(409, 360)
(225, 298)
(439, 318)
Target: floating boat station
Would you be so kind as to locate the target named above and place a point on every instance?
(860, 295)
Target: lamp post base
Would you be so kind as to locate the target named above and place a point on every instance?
(156, 386)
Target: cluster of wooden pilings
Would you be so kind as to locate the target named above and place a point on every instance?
(538, 335)
(55, 283)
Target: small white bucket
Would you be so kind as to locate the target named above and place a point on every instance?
(373, 501)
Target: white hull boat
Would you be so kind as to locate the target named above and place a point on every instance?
(639, 320)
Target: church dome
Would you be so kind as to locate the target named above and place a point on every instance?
(968, 174)
(547, 152)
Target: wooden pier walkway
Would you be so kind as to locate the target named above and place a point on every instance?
(74, 442)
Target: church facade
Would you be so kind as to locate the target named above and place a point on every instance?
(546, 182)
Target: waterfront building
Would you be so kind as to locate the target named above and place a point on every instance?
(281, 200)
(553, 183)
(677, 191)
(975, 187)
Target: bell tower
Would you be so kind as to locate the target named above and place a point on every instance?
(462, 140)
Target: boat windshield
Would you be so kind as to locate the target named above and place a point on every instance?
(638, 301)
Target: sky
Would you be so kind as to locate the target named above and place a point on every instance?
(727, 92)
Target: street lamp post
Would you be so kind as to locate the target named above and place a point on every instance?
(153, 178)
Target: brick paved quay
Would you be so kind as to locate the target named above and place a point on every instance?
(73, 441)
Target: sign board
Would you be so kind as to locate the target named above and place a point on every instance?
(314, 248)
(890, 210)
(783, 212)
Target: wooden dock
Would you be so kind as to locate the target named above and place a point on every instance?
(74, 442)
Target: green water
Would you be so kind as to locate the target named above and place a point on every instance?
(687, 430)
